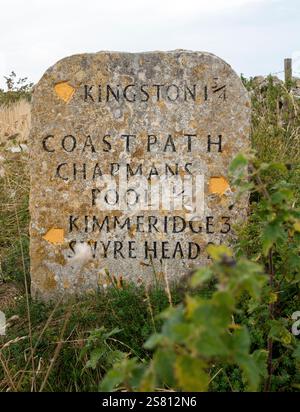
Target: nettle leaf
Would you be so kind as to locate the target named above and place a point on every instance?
(182, 332)
(250, 278)
(214, 313)
(223, 301)
(281, 196)
(148, 381)
(190, 374)
(95, 356)
(212, 343)
(297, 226)
(154, 340)
(273, 297)
(136, 375)
(128, 372)
(192, 304)
(252, 285)
(272, 233)
(296, 353)
(201, 276)
(279, 332)
(104, 357)
(239, 162)
(244, 186)
(277, 166)
(293, 260)
(163, 363)
(175, 328)
(241, 340)
(260, 357)
(252, 365)
(264, 166)
(217, 253)
(251, 371)
(112, 380)
(112, 332)
(114, 356)
(100, 335)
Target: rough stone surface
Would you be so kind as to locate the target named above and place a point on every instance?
(83, 109)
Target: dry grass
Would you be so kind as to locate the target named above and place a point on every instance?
(14, 214)
(15, 122)
(275, 123)
(40, 353)
(9, 292)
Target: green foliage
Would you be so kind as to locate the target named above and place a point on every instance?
(275, 121)
(16, 89)
(229, 329)
(101, 328)
(201, 332)
(244, 325)
(101, 352)
(271, 237)
(14, 219)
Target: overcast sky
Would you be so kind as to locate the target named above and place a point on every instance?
(253, 36)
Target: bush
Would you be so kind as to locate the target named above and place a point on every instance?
(16, 89)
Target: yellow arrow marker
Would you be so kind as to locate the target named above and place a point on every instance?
(64, 91)
(55, 236)
(218, 185)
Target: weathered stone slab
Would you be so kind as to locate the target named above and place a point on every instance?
(129, 159)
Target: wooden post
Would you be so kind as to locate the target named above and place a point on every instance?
(288, 72)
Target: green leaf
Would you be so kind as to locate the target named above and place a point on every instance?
(201, 276)
(212, 343)
(148, 381)
(297, 226)
(154, 340)
(217, 253)
(241, 340)
(112, 380)
(251, 371)
(95, 356)
(279, 332)
(175, 328)
(113, 357)
(249, 276)
(163, 363)
(127, 372)
(239, 162)
(190, 374)
(271, 234)
(253, 366)
(260, 357)
(114, 331)
(296, 353)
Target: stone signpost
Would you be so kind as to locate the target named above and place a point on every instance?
(129, 164)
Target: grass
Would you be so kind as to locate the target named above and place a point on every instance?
(14, 216)
(275, 122)
(44, 345)
(127, 309)
(14, 122)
